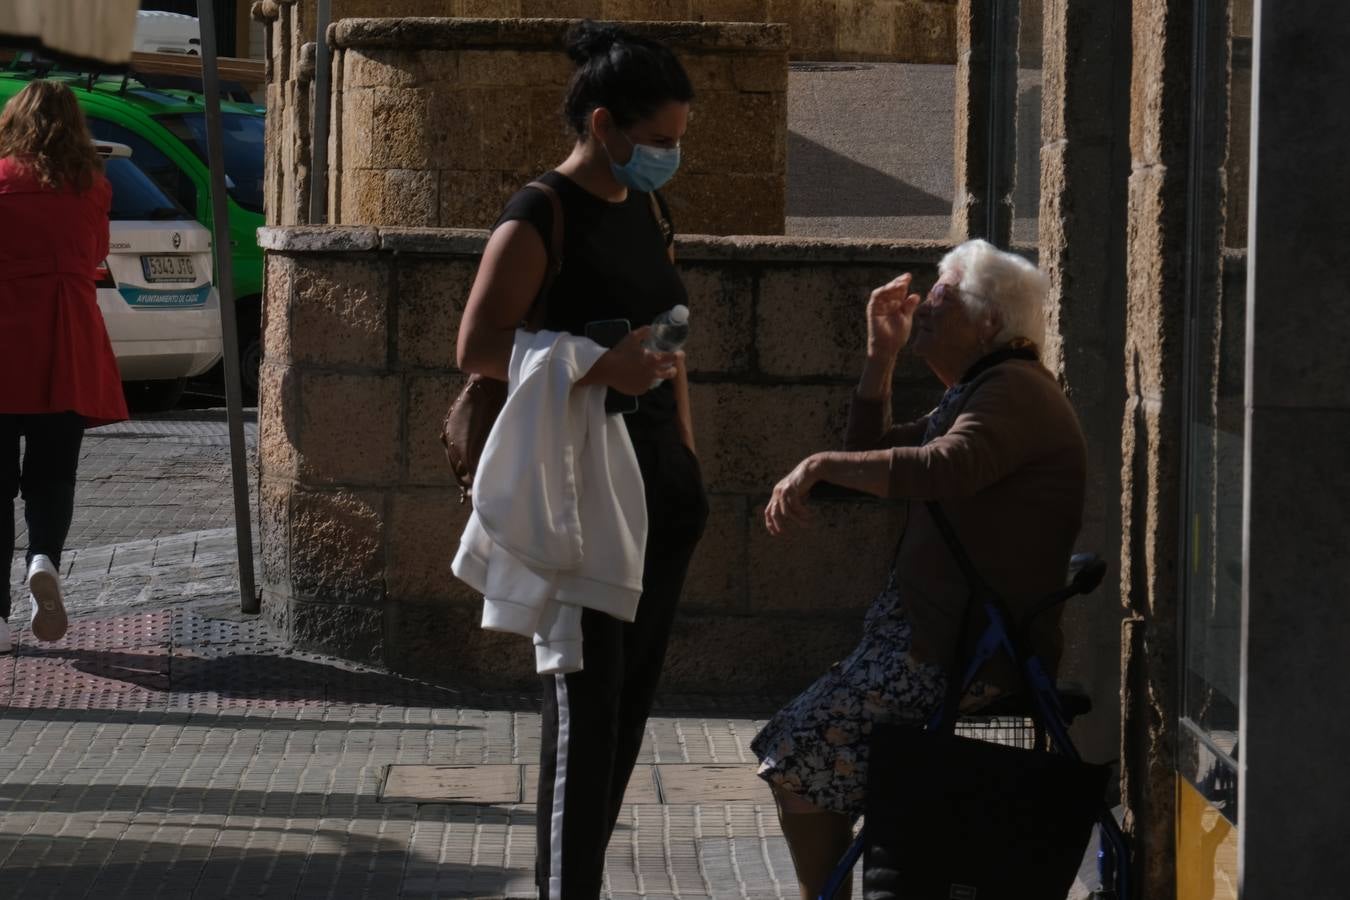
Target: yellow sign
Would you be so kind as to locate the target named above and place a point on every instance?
(1207, 849)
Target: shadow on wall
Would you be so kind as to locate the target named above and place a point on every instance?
(851, 188)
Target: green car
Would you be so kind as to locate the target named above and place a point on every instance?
(166, 131)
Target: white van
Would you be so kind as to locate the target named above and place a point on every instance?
(155, 288)
(166, 32)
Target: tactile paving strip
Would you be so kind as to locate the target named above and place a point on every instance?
(86, 680)
(146, 629)
(183, 660)
(189, 629)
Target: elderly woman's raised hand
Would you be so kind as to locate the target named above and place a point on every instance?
(890, 313)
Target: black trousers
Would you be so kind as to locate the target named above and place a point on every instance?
(594, 720)
(45, 476)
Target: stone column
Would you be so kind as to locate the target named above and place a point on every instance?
(1085, 166)
(1292, 782)
(437, 122)
(979, 136)
(290, 73)
(1151, 443)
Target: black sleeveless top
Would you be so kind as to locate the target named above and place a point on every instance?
(615, 266)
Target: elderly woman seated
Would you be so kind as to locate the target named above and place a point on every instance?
(1004, 456)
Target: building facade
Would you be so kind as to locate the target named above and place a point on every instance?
(1190, 196)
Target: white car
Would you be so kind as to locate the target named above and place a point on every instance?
(155, 288)
(167, 32)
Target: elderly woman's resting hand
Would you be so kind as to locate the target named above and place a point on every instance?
(867, 471)
(787, 503)
(890, 315)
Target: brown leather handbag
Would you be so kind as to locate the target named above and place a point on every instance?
(465, 428)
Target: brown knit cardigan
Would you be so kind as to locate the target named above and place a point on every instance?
(1010, 474)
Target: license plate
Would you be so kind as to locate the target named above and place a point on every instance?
(168, 268)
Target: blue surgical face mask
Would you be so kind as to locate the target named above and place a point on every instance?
(648, 168)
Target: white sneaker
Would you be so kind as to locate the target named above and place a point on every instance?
(5, 645)
(49, 612)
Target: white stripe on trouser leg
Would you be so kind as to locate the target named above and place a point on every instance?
(555, 844)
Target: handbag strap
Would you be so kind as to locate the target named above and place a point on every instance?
(981, 591)
(663, 221)
(978, 586)
(535, 317)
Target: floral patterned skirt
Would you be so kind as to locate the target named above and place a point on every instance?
(816, 746)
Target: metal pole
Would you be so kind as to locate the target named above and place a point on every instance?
(991, 179)
(318, 182)
(1003, 19)
(220, 227)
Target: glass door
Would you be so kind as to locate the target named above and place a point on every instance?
(1215, 364)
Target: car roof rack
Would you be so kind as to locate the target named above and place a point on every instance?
(179, 71)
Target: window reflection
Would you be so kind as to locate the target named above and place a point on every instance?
(1216, 360)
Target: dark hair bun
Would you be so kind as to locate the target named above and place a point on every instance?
(587, 40)
(631, 75)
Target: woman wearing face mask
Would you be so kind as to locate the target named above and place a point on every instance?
(628, 104)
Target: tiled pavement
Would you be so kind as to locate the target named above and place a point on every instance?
(167, 748)
(160, 752)
(152, 477)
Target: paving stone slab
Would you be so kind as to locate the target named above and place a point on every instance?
(489, 784)
(694, 784)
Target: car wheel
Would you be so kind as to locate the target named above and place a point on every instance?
(250, 363)
(154, 396)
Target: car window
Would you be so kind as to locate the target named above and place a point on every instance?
(135, 196)
(244, 140)
(151, 160)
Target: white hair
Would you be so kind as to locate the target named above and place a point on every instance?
(992, 280)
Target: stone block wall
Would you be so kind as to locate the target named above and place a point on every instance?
(1238, 163)
(1151, 449)
(921, 31)
(360, 517)
(913, 31)
(1084, 169)
(290, 107)
(436, 122)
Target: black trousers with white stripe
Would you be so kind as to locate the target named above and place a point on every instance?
(594, 720)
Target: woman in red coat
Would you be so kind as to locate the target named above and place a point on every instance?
(58, 375)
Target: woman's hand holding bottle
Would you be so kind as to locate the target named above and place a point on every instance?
(629, 367)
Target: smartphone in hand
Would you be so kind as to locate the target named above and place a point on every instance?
(607, 333)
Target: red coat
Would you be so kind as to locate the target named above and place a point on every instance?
(54, 350)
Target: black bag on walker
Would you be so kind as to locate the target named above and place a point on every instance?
(953, 818)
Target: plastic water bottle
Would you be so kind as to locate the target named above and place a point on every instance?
(669, 332)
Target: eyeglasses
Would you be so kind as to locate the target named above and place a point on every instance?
(943, 290)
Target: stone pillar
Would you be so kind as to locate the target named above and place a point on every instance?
(1151, 443)
(1292, 781)
(1085, 167)
(908, 31)
(986, 127)
(436, 122)
(290, 75)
